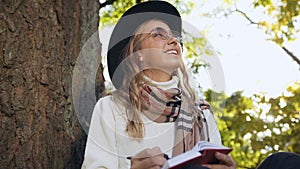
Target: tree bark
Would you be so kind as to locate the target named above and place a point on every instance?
(40, 42)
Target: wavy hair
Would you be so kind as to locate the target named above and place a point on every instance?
(129, 93)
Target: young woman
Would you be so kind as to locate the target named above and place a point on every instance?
(154, 110)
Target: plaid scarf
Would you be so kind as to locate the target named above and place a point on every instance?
(171, 105)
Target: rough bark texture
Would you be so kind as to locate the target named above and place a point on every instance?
(40, 42)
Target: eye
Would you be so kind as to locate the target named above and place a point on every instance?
(160, 35)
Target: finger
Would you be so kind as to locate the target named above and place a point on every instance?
(156, 151)
(150, 162)
(139, 163)
(148, 152)
(148, 158)
(225, 159)
(226, 162)
(206, 165)
(142, 154)
(154, 161)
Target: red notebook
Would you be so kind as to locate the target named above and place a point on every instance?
(202, 153)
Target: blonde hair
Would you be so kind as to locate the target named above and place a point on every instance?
(129, 93)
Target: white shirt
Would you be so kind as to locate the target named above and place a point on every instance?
(108, 143)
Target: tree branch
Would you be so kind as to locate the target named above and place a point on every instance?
(107, 2)
(295, 58)
(246, 16)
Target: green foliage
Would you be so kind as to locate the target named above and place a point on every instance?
(184, 7)
(282, 18)
(196, 46)
(110, 14)
(257, 126)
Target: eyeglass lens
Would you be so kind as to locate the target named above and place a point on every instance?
(163, 34)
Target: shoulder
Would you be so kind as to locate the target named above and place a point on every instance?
(107, 102)
(107, 106)
(104, 101)
(103, 107)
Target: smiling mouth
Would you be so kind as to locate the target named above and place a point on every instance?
(172, 52)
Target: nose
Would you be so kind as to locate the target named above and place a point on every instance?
(172, 40)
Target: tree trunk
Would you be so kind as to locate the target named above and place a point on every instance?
(40, 42)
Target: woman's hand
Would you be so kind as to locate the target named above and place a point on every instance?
(226, 162)
(148, 159)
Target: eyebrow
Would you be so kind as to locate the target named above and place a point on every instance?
(158, 27)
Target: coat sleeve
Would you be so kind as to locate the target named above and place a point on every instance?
(101, 149)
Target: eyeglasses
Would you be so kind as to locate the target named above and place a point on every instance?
(160, 33)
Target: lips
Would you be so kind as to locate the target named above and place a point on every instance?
(172, 51)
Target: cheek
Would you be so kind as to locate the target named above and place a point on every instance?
(152, 56)
(152, 44)
(151, 52)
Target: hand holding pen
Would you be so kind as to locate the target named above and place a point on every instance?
(148, 158)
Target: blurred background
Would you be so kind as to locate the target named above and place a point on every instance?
(244, 56)
(257, 46)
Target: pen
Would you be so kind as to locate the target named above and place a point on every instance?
(165, 156)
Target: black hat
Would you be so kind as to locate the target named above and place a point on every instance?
(127, 25)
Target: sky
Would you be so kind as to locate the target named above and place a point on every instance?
(248, 61)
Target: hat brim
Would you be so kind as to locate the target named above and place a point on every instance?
(127, 25)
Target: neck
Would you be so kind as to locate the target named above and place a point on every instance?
(158, 75)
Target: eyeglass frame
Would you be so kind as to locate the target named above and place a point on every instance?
(156, 32)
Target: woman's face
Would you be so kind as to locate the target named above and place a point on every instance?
(160, 48)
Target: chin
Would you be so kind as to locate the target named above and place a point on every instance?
(173, 68)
